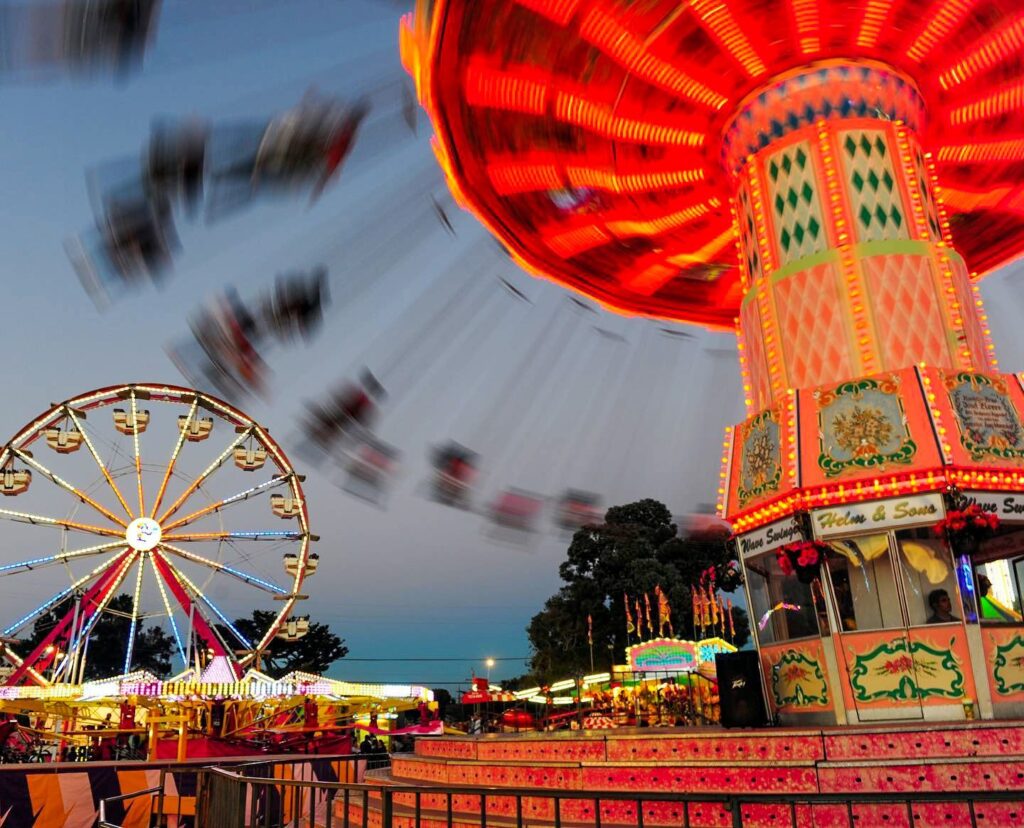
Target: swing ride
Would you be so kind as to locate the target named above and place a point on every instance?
(220, 167)
(831, 189)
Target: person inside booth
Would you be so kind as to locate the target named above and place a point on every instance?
(998, 591)
(868, 572)
(928, 572)
(941, 607)
(992, 609)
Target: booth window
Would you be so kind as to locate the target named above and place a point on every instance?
(768, 587)
(861, 574)
(928, 576)
(999, 578)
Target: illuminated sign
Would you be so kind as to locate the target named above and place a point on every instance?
(877, 514)
(770, 537)
(708, 647)
(663, 655)
(1007, 506)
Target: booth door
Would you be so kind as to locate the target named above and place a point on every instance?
(875, 635)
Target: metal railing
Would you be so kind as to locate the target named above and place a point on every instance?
(105, 803)
(230, 800)
(354, 766)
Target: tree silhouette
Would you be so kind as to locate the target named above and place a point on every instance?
(313, 653)
(108, 641)
(636, 549)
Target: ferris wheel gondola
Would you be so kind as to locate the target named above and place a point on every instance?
(169, 538)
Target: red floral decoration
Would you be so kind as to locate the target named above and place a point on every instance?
(972, 523)
(801, 557)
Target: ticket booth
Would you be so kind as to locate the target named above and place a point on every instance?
(884, 628)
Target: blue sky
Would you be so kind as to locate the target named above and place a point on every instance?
(642, 418)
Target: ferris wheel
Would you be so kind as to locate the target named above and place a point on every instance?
(160, 505)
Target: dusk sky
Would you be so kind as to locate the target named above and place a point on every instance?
(549, 401)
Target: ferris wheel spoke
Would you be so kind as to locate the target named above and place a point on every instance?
(252, 580)
(138, 455)
(135, 615)
(58, 597)
(203, 598)
(42, 520)
(195, 484)
(99, 462)
(60, 557)
(30, 460)
(176, 583)
(106, 584)
(170, 616)
(174, 458)
(92, 611)
(265, 535)
(18, 662)
(228, 501)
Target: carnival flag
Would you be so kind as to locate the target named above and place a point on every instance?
(629, 618)
(590, 629)
(647, 613)
(664, 611)
(639, 618)
(696, 608)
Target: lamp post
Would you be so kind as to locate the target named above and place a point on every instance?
(490, 663)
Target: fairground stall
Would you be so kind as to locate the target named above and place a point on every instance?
(666, 682)
(206, 713)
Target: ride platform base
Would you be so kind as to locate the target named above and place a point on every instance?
(898, 760)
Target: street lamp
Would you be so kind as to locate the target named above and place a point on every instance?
(490, 664)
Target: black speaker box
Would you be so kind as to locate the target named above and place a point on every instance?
(740, 690)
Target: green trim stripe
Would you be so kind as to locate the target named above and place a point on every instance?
(806, 263)
(885, 247)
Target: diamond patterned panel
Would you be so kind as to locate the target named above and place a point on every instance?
(930, 210)
(973, 332)
(907, 311)
(748, 235)
(874, 195)
(796, 209)
(812, 327)
(757, 365)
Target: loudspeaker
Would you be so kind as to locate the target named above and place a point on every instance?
(739, 689)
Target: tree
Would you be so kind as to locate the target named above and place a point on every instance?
(317, 650)
(108, 641)
(636, 549)
(444, 700)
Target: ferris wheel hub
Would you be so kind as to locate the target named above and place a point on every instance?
(143, 534)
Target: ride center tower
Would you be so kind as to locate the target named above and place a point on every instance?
(829, 179)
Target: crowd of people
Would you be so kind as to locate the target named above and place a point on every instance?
(377, 752)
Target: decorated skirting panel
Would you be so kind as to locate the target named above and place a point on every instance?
(926, 666)
(1004, 662)
(797, 677)
(46, 798)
